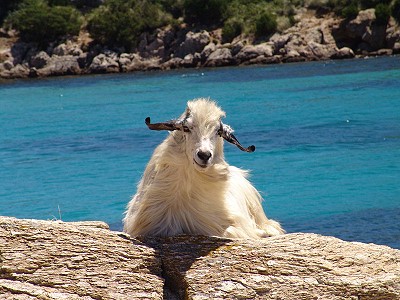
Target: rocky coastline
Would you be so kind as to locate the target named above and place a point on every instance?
(85, 260)
(313, 37)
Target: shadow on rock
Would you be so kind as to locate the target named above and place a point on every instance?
(178, 255)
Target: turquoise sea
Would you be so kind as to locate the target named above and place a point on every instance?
(327, 137)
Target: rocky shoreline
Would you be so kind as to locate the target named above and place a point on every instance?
(85, 260)
(312, 38)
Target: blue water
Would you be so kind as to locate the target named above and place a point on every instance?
(327, 137)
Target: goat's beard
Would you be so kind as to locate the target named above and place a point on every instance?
(216, 168)
(213, 171)
(200, 167)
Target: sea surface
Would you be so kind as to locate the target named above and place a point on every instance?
(327, 137)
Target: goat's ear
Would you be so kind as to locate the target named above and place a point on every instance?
(226, 132)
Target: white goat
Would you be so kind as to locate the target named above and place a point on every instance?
(189, 188)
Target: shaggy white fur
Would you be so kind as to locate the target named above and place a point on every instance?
(189, 188)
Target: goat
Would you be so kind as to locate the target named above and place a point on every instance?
(189, 188)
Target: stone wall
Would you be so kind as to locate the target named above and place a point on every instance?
(85, 260)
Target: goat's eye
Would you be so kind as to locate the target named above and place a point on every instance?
(185, 128)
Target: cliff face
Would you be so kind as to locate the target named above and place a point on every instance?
(85, 260)
(311, 38)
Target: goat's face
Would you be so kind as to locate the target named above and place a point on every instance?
(201, 125)
(203, 133)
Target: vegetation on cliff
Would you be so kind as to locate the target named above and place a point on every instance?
(350, 8)
(119, 23)
(38, 21)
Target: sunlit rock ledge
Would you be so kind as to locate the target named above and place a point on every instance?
(85, 260)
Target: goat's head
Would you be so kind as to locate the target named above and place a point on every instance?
(203, 131)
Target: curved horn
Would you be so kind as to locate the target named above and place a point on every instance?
(226, 132)
(169, 125)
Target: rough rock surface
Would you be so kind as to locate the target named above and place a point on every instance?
(193, 43)
(105, 63)
(220, 57)
(84, 260)
(293, 266)
(57, 66)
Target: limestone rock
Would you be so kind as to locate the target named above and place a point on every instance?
(191, 60)
(19, 51)
(154, 47)
(173, 63)
(68, 48)
(396, 48)
(57, 260)
(392, 34)
(7, 65)
(125, 59)
(362, 33)
(194, 43)
(105, 63)
(5, 54)
(292, 266)
(357, 27)
(16, 71)
(210, 48)
(322, 51)
(138, 63)
(344, 52)
(310, 39)
(279, 41)
(382, 52)
(253, 51)
(39, 60)
(375, 36)
(84, 260)
(59, 65)
(220, 57)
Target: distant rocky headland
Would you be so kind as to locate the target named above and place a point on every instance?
(313, 37)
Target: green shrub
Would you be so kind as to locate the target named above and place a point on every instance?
(255, 17)
(284, 22)
(77, 3)
(265, 24)
(348, 9)
(395, 9)
(120, 22)
(315, 4)
(382, 14)
(6, 6)
(351, 11)
(59, 2)
(173, 7)
(36, 21)
(205, 11)
(231, 29)
(372, 3)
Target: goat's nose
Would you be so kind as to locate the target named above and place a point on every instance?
(204, 155)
